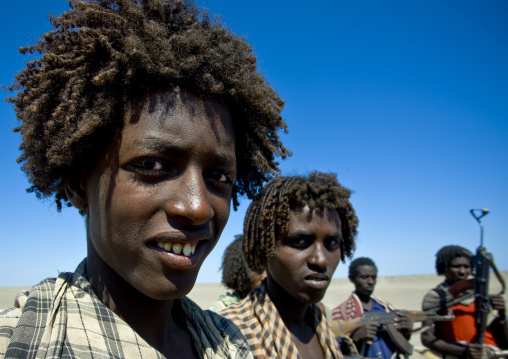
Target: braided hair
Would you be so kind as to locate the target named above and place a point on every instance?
(103, 54)
(267, 218)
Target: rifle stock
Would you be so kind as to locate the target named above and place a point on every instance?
(341, 327)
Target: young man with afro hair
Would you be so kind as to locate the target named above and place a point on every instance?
(150, 118)
(454, 339)
(299, 228)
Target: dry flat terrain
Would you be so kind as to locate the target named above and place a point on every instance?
(404, 292)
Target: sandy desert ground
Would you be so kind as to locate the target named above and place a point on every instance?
(404, 292)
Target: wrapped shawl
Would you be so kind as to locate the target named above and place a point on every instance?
(260, 322)
(352, 308)
(63, 318)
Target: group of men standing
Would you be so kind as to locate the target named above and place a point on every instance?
(448, 339)
(300, 247)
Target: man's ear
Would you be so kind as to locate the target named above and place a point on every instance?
(75, 190)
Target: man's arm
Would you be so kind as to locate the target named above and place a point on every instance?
(498, 327)
(404, 325)
(429, 339)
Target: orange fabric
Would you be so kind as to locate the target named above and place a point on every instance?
(463, 327)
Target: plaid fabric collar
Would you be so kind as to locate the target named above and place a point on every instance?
(63, 318)
(258, 319)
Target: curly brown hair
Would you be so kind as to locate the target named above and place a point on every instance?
(103, 54)
(267, 218)
(236, 274)
(447, 254)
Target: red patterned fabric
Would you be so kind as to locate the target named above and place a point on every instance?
(352, 308)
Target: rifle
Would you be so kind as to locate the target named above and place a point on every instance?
(342, 327)
(482, 262)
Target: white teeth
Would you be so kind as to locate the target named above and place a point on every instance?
(177, 248)
(187, 249)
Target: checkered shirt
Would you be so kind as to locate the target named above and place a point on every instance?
(260, 322)
(63, 318)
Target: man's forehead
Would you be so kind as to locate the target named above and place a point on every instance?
(366, 269)
(460, 261)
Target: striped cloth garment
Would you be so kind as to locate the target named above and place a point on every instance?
(63, 318)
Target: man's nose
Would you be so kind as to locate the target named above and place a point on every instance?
(318, 257)
(191, 200)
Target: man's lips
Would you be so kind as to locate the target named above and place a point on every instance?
(178, 243)
(176, 247)
(317, 281)
(318, 277)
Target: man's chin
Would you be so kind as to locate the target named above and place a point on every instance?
(173, 287)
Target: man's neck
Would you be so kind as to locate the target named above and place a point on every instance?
(296, 317)
(366, 301)
(151, 319)
(291, 310)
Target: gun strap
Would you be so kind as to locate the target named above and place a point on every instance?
(449, 303)
(442, 298)
(398, 339)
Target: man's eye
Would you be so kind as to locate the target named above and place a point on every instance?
(332, 244)
(220, 176)
(149, 166)
(299, 242)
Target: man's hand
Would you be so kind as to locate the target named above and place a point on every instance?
(473, 351)
(497, 302)
(403, 323)
(365, 332)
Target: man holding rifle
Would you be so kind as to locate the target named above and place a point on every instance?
(456, 295)
(371, 340)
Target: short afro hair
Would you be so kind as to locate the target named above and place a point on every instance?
(103, 54)
(267, 218)
(360, 261)
(236, 274)
(447, 254)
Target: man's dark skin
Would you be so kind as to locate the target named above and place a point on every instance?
(460, 268)
(364, 282)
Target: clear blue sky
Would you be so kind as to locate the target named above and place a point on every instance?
(407, 101)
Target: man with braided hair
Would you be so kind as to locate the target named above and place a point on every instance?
(454, 339)
(298, 228)
(151, 119)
